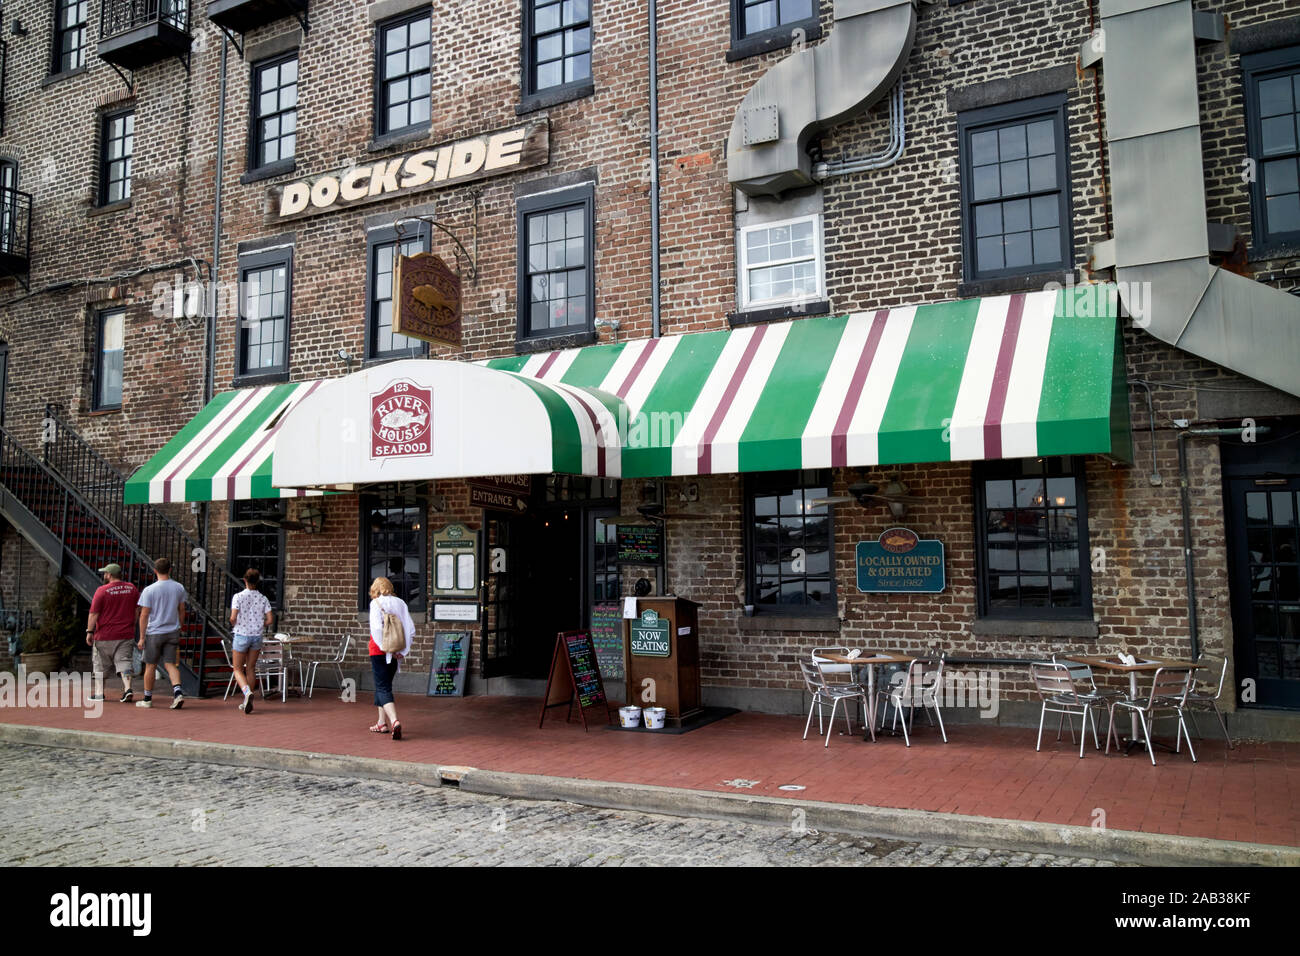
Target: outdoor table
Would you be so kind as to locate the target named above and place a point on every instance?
(287, 642)
(1114, 665)
(871, 658)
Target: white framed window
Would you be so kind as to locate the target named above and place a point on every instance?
(781, 262)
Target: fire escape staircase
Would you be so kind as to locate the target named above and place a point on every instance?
(68, 504)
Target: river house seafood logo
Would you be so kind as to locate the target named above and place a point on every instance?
(898, 540)
(401, 421)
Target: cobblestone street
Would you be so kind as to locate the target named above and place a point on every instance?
(103, 809)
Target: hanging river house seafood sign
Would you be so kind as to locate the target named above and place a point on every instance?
(450, 164)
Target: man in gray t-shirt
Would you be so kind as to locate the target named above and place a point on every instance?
(162, 613)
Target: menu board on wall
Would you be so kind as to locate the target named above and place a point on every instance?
(640, 544)
(449, 663)
(607, 638)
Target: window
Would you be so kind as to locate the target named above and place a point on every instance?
(1272, 82)
(1032, 524)
(117, 144)
(557, 283)
(1015, 189)
(383, 249)
(257, 545)
(70, 17)
(275, 110)
(756, 16)
(781, 262)
(790, 566)
(264, 296)
(402, 74)
(557, 44)
(393, 521)
(110, 333)
(10, 240)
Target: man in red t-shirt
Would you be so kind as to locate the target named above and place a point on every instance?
(110, 630)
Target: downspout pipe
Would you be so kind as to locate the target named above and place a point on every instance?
(1161, 244)
(881, 160)
(1184, 491)
(654, 170)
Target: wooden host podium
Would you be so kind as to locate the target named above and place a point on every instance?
(662, 643)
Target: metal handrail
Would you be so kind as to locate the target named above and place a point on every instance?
(16, 223)
(53, 497)
(121, 16)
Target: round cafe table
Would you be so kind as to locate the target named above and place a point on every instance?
(1116, 666)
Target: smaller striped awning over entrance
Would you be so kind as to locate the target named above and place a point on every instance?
(1009, 376)
(224, 453)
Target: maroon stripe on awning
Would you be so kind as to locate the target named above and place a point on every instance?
(637, 366)
(705, 462)
(270, 433)
(231, 413)
(839, 435)
(1002, 378)
(546, 365)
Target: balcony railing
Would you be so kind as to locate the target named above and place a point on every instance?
(133, 33)
(4, 73)
(15, 232)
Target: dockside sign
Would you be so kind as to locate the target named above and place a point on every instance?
(477, 157)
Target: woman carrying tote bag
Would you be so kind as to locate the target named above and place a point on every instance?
(391, 631)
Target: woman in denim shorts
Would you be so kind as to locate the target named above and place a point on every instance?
(250, 614)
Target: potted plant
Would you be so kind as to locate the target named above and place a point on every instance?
(53, 642)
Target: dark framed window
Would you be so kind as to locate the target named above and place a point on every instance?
(394, 519)
(752, 17)
(110, 339)
(70, 40)
(382, 249)
(116, 147)
(557, 282)
(1032, 553)
(9, 210)
(265, 297)
(258, 546)
(790, 567)
(1015, 189)
(274, 112)
(402, 76)
(557, 44)
(1272, 87)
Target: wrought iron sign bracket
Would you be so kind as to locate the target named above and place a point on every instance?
(128, 77)
(461, 251)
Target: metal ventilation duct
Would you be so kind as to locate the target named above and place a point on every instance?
(814, 89)
(1161, 245)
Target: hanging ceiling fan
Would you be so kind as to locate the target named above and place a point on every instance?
(276, 519)
(893, 495)
(652, 514)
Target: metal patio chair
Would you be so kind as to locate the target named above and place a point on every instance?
(1085, 687)
(273, 662)
(1205, 700)
(1059, 691)
(1169, 690)
(336, 662)
(921, 683)
(826, 690)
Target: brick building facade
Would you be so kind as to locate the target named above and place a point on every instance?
(890, 237)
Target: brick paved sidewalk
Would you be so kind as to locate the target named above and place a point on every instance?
(1249, 794)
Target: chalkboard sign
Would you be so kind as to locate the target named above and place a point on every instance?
(607, 638)
(640, 544)
(450, 660)
(574, 676)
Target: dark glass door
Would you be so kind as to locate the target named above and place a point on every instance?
(1265, 574)
(500, 558)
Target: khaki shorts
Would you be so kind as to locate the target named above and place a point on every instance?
(113, 657)
(161, 648)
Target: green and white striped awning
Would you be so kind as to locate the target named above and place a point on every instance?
(1009, 376)
(224, 453)
(1012, 376)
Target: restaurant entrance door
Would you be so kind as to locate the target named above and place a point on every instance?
(1262, 488)
(544, 570)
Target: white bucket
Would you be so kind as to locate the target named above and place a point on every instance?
(654, 718)
(629, 716)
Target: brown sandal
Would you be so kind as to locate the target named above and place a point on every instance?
(379, 729)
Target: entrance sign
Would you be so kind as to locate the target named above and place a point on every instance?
(401, 421)
(574, 676)
(426, 300)
(447, 668)
(465, 160)
(501, 493)
(649, 635)
(900, 563)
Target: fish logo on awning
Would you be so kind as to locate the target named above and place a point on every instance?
(401, 421)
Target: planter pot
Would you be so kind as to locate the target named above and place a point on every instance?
(41, 663)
